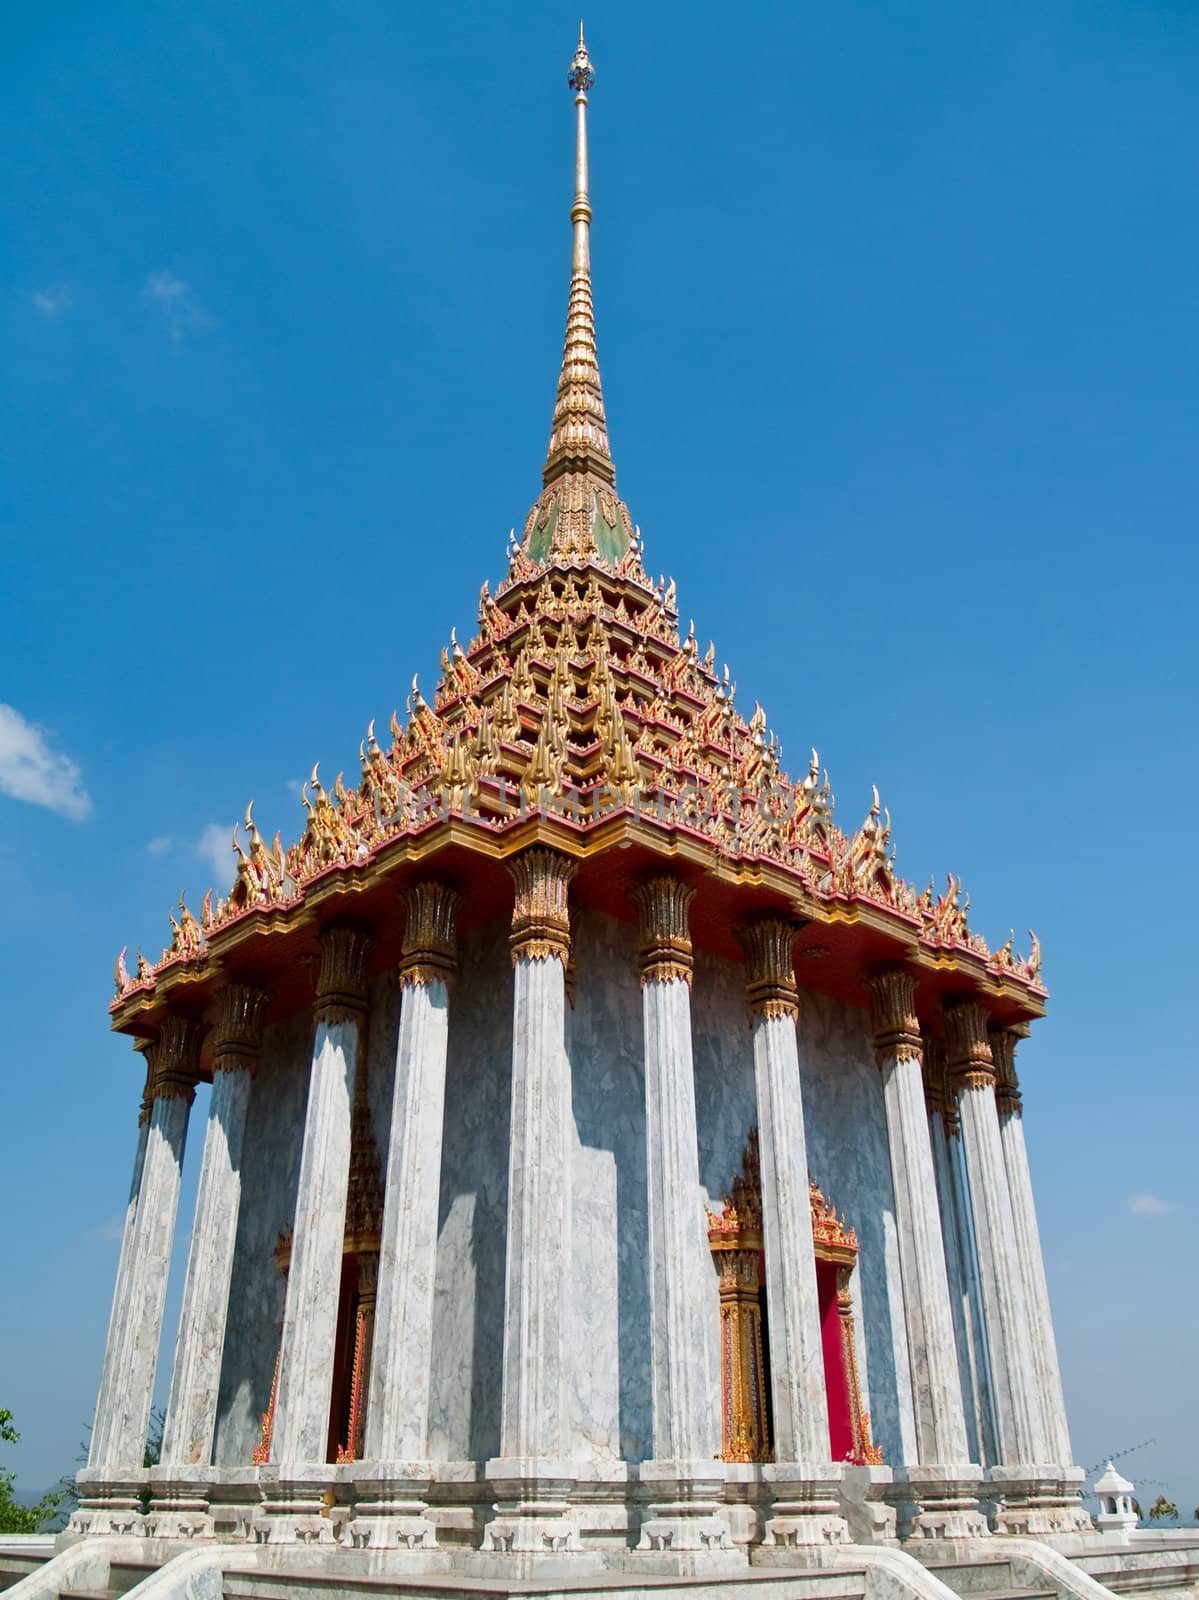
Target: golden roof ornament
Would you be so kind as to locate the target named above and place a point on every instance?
(578, 515)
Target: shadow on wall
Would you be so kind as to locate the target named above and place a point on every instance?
(270, 1179)
(468, 1310)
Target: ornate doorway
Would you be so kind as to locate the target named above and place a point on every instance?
(735, 1239)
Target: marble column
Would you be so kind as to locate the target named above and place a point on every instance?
(1005, 1309)
(389, 1494)
(295, 1480)
(944, 1480)
(803, 1479)
(176, 1068)
(1063, 1508)
(969, 1335)
(687, 1489)
(119, 1317)
(179, 1503)
(531, 1478)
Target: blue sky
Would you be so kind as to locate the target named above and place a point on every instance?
(897, 314)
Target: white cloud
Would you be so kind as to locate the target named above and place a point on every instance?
(1150, 1205)
(215, 848)
(295, 785)
(53, 301)
(110, 1232)
(161, 845)
(31, 770)
(180, 309)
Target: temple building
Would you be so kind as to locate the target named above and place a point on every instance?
(611, 1165)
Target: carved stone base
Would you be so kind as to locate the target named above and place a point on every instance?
(946, 1497)
(390, 1510)
(1038, 1502)
(179, 1508)
(532, 1511)
(109, 1506)
(805, 1508)
(684, 1530)
(295, 1510)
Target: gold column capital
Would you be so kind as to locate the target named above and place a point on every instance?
(541, 912)
(663, 904)
(341, 991)
(937, 1099)
(1003, 1042)
(971, 1065)
(770, 987)
(176, 1058)
(429, 953)
(237, 1043)
(892, 992)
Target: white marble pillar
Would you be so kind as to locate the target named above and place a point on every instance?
(803, 1478)
(389, 1503)
(1013, 1377)
(683, 1295)
(195, 1382)
(943, 1478)
(176, 1066)
(969, 1334)
(1059, 1508)
(295, 1479)
(531, 1477)
(119, 1317)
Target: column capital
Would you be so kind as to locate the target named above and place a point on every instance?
(770, 987)
(341, 992)
(1003, 1040)
(892, 992)
(970, 1063)
(663, 904)
(540, 915)
(176, 1058)
(237, 1043)
(429, 952)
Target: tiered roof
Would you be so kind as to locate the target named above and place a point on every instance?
(579, 715)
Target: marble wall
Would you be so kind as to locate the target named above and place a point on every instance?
(609, 1322)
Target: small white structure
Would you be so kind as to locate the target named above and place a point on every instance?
(1116, 1517)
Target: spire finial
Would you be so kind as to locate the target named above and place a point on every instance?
(579, 432)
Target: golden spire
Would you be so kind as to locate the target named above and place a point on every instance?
(579, 432)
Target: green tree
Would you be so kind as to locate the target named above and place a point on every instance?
(1163, 1510)
(14, 1517)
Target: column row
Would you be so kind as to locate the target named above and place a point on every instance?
(532, 1475)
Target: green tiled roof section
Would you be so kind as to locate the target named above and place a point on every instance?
(611, 542)
(541, 540)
